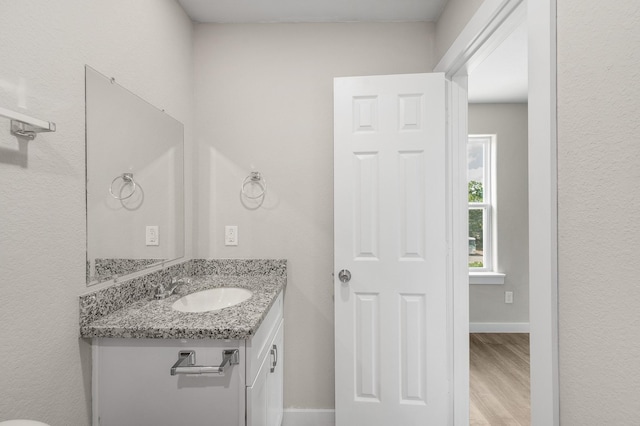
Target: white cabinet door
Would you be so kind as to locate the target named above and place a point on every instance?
(257, 397)
(264, 397)
(275, 379)
(391, 318)
(260, 344)
(133, 386)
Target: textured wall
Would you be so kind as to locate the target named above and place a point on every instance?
(146, 46)
(599, 201)
(264, 100)
(509, 123)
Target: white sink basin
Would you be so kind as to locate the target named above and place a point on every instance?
(211, 300)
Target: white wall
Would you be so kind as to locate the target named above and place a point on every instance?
(452, 20)
(147, 46)
(599, 201)
(264, 100)
(486, 302)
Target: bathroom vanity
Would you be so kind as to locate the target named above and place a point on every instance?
(153, 364)
(135, 348)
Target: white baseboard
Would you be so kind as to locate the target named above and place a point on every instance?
(499, 327)
(302, 417)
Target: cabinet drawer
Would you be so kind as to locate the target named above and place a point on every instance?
(258, 347)
(132, 384)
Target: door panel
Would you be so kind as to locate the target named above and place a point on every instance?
(392, 350)
(367, 347)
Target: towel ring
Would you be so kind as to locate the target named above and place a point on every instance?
(254, 178)
(127, 178)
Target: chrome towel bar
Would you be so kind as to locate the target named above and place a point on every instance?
(187, 359)
(25, 126)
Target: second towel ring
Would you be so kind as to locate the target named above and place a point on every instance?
(127, 178)
(254, 178)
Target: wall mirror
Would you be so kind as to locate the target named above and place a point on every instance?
(135, 179)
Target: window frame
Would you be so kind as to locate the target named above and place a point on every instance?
(487, 274)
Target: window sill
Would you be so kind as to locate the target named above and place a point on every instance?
(486, 278)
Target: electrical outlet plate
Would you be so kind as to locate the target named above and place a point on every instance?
(231, 235)
(508, 297)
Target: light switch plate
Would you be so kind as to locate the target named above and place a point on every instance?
(152, 236)
(231, 235)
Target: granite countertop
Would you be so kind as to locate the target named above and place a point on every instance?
(156, 319)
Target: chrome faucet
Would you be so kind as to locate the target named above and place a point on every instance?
(163, 293)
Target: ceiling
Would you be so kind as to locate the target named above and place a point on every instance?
(252, 11)
(502, 77)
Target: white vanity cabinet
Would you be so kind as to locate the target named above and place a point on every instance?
(264, 395)
(132, 384)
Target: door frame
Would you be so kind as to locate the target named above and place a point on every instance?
(492, 23)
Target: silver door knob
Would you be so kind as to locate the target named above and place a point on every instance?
(344, 276)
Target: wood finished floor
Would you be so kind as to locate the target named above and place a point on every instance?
(499, 379)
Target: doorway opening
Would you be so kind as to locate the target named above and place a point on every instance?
(491, 24)
(497, 179)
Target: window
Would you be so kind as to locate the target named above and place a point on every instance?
(481, 185)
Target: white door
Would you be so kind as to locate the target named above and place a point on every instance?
(392, 342)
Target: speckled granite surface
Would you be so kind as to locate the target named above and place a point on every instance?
(100, 303)
(107, 269)
(128, 309)
(238, 267)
